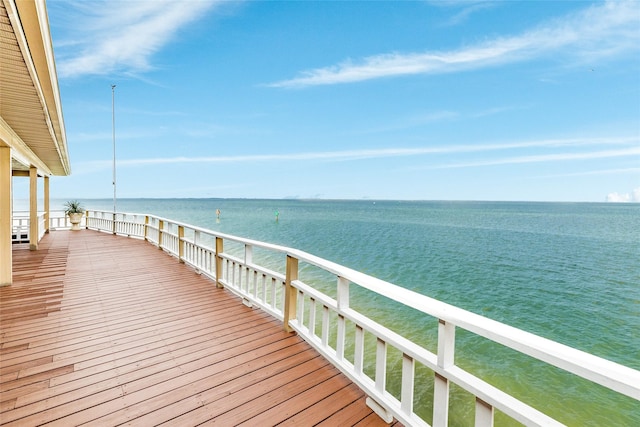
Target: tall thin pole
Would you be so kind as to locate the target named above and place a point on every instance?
(113, 131)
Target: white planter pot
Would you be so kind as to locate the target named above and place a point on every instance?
(75, 219)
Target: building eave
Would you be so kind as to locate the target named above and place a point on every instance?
(30, 106)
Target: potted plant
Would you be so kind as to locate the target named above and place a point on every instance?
(74, 210)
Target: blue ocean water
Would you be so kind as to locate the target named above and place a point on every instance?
(566, 271)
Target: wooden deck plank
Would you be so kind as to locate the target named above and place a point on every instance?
(350, 415)
(126, 353)
(43, 338)
(106, 330)
(66, 345)
(46, 375)
(226, 383)
(139, 370)
(154, 403)
(372, 420)
(315, 414)
(285, 409)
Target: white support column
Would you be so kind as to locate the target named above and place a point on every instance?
(33, 208)
(6, 213)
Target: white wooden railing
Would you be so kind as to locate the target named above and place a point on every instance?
(20, 228)
(20, 231)
(340, 332)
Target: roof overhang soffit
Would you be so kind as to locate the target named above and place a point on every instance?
(20, 152)
(31, 28)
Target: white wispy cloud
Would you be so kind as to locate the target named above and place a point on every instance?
(556, 157)
(105, 136)
(625, 171)
(468, 8)
(417, 120)
(362, 154)
(599, 31)
(121, 36)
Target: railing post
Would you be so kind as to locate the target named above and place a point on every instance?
(408, 383)
(47, 219)
(198, 260)
(446, 348)
(146, 227)
(248, 260)
(343, 304)
(484, 414)
(219, 250)
(343, 293)
(248, 254)
(181, 243)
(86, 220)
(160, 228)
(290, 294)
(380, 382)
(381, 366)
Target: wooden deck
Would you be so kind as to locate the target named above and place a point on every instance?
(107, 330)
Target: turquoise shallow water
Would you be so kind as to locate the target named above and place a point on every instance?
(566, 271)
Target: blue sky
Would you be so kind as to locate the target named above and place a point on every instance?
(457, 100)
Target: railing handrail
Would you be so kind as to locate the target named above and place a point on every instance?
(594, 368)
(614, 376)
(53, 219)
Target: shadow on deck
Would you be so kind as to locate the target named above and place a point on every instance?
(108, 330)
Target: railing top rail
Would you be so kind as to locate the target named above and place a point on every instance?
(246, 241)
(615, 376)
(25, 214)
(610, 374)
